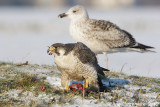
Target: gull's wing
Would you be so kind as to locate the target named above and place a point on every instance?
(109, 33)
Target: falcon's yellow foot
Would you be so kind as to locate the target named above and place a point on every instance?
(66, 87)
(85, 85)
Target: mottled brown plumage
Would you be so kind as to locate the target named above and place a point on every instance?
(99, 35)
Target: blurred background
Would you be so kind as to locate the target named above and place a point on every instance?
(91, 3)
(27, 27)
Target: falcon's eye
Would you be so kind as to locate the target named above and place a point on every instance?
(74, 11)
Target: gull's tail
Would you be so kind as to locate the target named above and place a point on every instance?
(143, 48)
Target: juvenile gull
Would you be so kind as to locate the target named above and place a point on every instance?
(77, 62)
(99, 35)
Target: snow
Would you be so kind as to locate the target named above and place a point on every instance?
(54, 81)
(25, 34)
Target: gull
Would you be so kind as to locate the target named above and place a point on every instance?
(102, 37)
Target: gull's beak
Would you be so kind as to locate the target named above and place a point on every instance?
(51, 50)
(62, 15)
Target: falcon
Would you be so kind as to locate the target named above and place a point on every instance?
(77, 62)
(99, 35)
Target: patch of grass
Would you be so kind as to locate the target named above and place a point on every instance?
(5, 63)
(10, 103)
(116, 75)
(25, 82)
(144, 81)
(4, 103)
(13, 78)
(155, 89)
(112, 74)
(31, 82)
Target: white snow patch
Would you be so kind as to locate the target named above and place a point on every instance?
(54, 81)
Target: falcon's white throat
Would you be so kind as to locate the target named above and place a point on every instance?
(61, 51)
(64, 61)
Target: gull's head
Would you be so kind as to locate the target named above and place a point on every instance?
(74, 13)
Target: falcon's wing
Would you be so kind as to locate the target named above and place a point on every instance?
(109, 33)
(68, 48)
(84, 54)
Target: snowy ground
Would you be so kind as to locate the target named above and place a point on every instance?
(25, 34)
(20, 85)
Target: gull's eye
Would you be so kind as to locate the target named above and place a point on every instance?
(74, 11)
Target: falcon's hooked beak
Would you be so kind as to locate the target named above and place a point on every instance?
(51, 50)
(62, 15)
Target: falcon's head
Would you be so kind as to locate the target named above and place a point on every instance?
(60, 49)
(56, 49)
(76, 12)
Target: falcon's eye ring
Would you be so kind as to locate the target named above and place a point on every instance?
(74, 11)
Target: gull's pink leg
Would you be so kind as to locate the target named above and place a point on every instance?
(97, 57)
(106, 59)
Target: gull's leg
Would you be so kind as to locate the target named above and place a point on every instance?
(106, 60)
(97, 56)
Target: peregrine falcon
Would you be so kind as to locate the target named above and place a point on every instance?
(77, 62)
(99, 35)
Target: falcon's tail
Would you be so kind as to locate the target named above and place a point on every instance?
(104, 69)
(101, 76)
(101, 86)
(101, 70)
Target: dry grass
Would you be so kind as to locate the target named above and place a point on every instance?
(139, 101)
